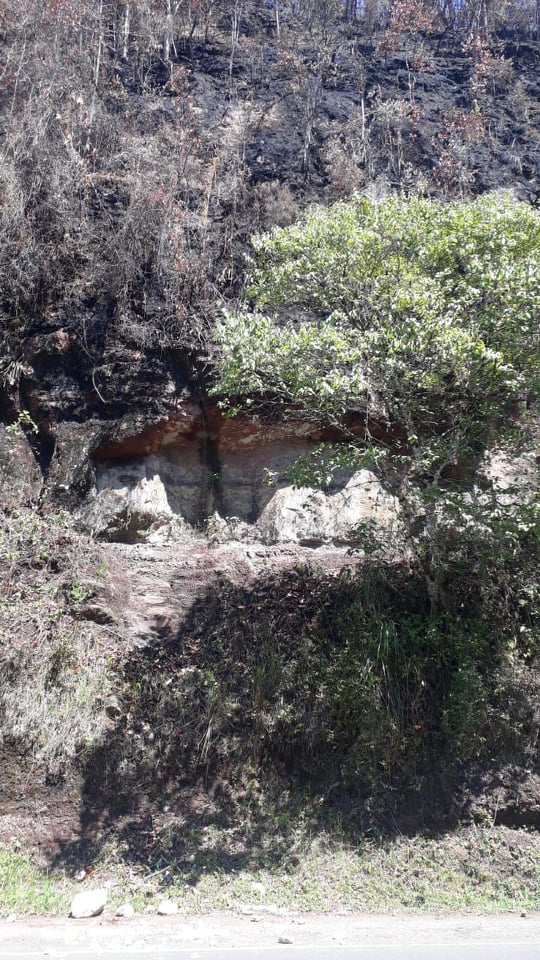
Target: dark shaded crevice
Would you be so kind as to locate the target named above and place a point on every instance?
(191, 377)
(45, 448)
(40, 439)
(8, 407)
(42, 443)
(517, 818)
(185, 372)
(212, 499)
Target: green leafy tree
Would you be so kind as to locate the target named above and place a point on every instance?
(420, 313)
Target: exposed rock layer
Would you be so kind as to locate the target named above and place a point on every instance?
(202, 469)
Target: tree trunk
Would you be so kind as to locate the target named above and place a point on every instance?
(167, 33)
(125, 29)
(235, 32)
(97, 62)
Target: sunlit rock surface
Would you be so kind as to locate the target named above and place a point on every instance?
(229, 478)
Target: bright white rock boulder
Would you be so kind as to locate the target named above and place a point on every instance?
(88, 904)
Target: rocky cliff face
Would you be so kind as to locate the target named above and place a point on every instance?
(198, 471)
(143, 455)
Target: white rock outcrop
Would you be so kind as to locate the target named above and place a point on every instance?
(304, 515)
(129, 512)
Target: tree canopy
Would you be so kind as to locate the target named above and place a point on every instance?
(421, 311)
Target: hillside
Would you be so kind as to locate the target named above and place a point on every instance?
(252, 595)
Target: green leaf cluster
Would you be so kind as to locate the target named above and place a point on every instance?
(422, 312)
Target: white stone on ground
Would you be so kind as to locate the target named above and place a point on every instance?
(167, 908)
(126, 911)
(88, 904)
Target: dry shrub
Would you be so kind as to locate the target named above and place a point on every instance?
(54, 672)
(276, 204)
(344, 169)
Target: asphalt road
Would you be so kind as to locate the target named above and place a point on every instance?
(434, 951)
(256, 935)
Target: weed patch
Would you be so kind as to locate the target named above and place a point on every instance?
(482, 869)
(54, 671)
(328, 686)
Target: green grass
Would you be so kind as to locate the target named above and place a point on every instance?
(472, 869)
(25, 888)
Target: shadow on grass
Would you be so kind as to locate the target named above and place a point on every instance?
(259, 726)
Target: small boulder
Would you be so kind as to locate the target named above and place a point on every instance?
(88, 904)
(126, 911)
(167, 908)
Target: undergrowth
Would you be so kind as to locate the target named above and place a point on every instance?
(54, 671)
(350, 687)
